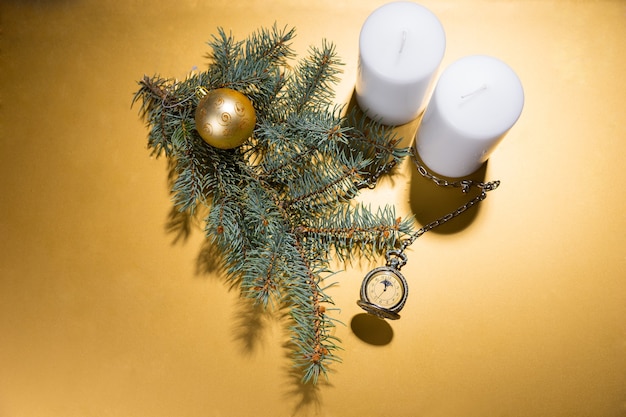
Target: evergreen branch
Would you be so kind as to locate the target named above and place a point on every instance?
(311, 330)
(265, 266)
(226, 224)
(280, 204)
(200, 171)
(192, 184)
(225, 229)
(254, 66)
(154, 96)
(311, 84)
(261, 280)
(150, 89)
(270, 45)
(374, 141)
(225, 52)
(335, 185)
(248, 67)
(300, 142)
(353, 231)
(165, 103)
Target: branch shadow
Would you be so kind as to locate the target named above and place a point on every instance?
(252, 322)
(208, 260)
(179, 224)
(308, 396)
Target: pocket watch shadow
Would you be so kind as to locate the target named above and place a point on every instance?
(430, 202)
(372, 330)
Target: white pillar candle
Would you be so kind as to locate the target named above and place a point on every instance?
(476, 101)
(400, 48)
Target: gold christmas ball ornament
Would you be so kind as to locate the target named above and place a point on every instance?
(225, 118)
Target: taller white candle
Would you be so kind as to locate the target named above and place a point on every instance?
(400, 48)
(476, 101)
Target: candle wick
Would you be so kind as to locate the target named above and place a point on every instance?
(403, 41)
(481, 88)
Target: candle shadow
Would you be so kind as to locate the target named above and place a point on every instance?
(430, 202)
(352, 108)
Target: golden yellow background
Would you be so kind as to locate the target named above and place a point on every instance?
(519, 309)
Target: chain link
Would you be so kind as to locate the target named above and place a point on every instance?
(373, 179)
(397, 258)
(464, 185)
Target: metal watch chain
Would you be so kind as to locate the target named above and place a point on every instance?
(464, 185)
(396, 258)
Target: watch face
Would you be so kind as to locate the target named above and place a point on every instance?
(386, 288)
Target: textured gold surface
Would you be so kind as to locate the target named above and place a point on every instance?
(517, 309)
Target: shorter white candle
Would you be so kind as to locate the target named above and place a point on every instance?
(400, 48)
(476, 101)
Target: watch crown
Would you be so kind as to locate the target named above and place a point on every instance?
(395, 259)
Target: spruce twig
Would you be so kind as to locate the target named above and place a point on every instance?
(282, 204)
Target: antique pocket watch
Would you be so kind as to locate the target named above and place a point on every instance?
(384, 289)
